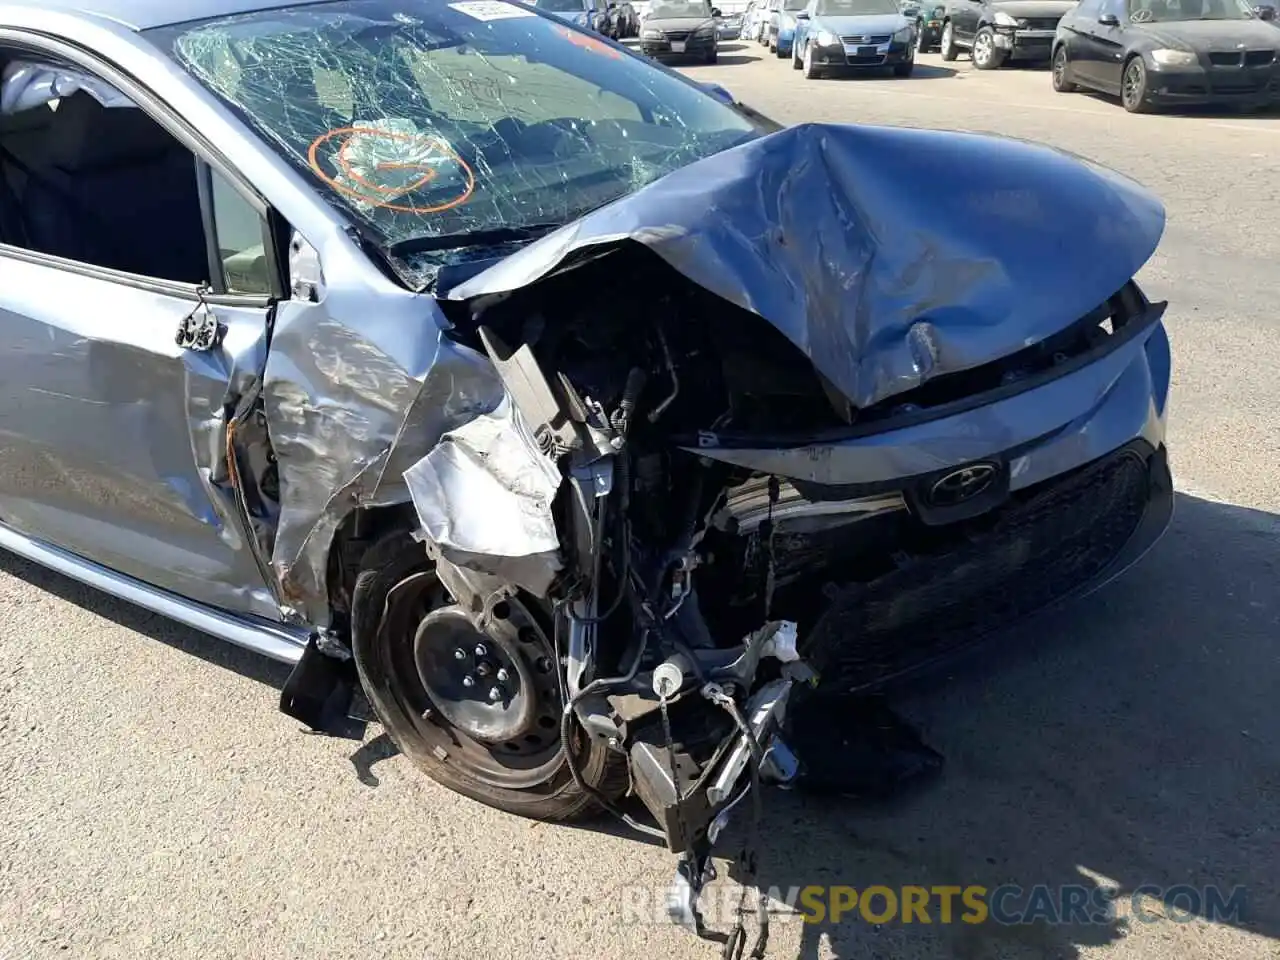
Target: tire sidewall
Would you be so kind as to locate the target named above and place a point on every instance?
(558, 798)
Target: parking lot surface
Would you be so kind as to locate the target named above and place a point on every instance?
(153, 803)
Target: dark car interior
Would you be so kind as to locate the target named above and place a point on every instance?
(101, 185)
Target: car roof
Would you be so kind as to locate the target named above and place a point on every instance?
(145, 14)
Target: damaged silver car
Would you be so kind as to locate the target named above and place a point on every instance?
(595, 427)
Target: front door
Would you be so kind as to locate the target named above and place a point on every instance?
(112, 435)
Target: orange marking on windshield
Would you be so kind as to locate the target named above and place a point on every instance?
(435, 150)
(588, 43)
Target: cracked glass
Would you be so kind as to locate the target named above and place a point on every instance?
(446, 127)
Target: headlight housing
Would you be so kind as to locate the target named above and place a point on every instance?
(705, 31)
(827, 39)
(903, 35)
(1173, 58)
(650, 34)
(1003, 19)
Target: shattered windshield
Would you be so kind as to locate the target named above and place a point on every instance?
(442, 126)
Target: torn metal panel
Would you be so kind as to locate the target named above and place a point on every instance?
(889, 256)
(484, 495)
(353, 398)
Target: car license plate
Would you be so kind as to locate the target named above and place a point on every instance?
(677, 46)
(867, 52)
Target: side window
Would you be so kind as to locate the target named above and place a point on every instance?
(242, 252)
(89, 177)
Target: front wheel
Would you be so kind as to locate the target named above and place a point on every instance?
(797, 62)
(472, 702)
(986, 55)
(947, 45)
(903, 69)
(1133, 88)
(1062, 81)
(712, 55)
(810, 68)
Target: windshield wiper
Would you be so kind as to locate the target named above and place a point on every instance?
(472, 238)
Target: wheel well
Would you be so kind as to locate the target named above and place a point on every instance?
(360, 530)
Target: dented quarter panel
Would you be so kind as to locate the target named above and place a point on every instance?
(888, 255)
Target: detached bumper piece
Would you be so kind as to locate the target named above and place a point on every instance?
(1027, 45)
(1056, 542)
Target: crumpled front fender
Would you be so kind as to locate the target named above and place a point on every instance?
(889, 256)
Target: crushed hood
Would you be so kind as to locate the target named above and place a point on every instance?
(889, 256)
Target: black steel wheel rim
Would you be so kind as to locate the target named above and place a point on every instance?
(528, 756)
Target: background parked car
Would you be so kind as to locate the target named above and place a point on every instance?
(753, 20)
(626, 20)
(841, 35)
(1154, 52)
(782, 26)
(929, 27)
(729, 26)
(591, 14)
(997, 31)
(767, 22)
(680, 28)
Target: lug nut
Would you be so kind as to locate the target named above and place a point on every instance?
(459, 654)
(481, 649)
(502, 674)
(495, 694)
(468, 682)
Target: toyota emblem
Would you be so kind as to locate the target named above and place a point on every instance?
(963, 484)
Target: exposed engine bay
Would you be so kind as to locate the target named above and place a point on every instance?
(690, 600)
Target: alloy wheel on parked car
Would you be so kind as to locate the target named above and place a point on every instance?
(1062, 72)
(947, 46)
(1133, 89)
(985, 54)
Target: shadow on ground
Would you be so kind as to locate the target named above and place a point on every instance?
(1132, 739)
(922, 71)
(1217, 111)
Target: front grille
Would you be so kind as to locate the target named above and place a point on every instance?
(1041, 23)
(1226, 59)
(871, 60)
(1259, 58)
(873, 38)
(677, 35)
(1036, 553)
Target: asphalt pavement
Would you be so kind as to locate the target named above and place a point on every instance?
(153, 803)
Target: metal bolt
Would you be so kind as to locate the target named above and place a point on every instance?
(468, 682)
(502, 674)
(459, 654)
(495, 694)
(481, 649)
